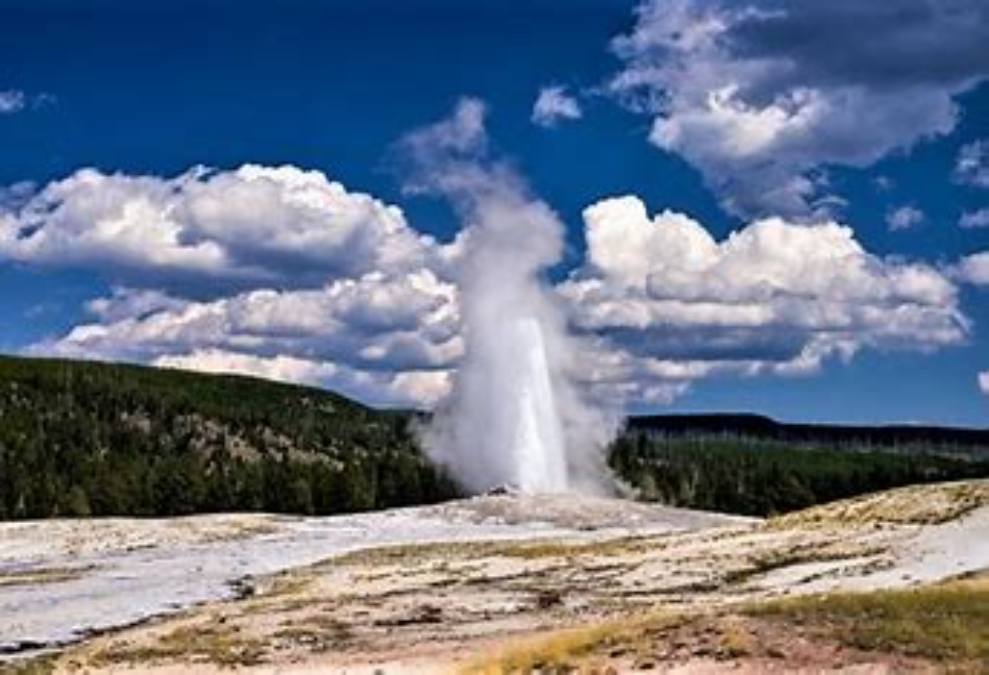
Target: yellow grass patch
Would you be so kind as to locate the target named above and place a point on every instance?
(946, 622)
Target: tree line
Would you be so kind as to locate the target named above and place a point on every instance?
(749, 475)
(92, 439)
(79, 439)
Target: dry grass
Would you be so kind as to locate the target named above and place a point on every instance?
(40, 665)
(946, 622)
(211, 643)
(913, 505)
(42, 575)
(618, 546)
(737, 640)
(770, 560)
(469, 550)
(569, 649)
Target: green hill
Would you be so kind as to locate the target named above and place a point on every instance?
(84, 438)
(81, 438)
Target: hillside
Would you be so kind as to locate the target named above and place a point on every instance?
(904, 437)
(83, 438)
(753, 465)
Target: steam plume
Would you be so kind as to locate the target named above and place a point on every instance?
(515, 414)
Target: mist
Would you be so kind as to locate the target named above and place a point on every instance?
(516, 415)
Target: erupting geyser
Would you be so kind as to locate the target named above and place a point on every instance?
(515, 415)
(537, 448)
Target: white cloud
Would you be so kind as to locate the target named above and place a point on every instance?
(883, 183)
(554, 105)
(659, 302)
(403, 321)
(124, 303)
(904, 218)
(972, 165)
(984, 382)
(973, 269)
(281, 368)
(462, 133)
(671, 304)
(12, 101)
(270, 224)
(756, 96)
(971, 220)
(408, 388)
(378, 337)
(272, 271)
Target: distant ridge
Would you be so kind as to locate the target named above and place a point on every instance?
(748, 424)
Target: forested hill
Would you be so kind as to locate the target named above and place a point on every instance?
(754, 465)
(80, 438)
(83, 438)
(887, 436)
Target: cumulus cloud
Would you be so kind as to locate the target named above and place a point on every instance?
(671, 304)
(334, 288)
(379, 327)
(125, 303)
(756, 96)
(554, 105)
(281, 368)
(12, 101)
(972, 220)
(973, 269)
(254, 224)
(270, 271)
(904, 218)
(984, 382)
(409, 388)
(972, 165)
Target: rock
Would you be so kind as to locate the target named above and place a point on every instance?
(502, 490)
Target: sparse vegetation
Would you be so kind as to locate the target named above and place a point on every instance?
(407, 554)
(44, 575)
(40, 665)
(947, 622)
(563, 650)
(211, 643)
(942, 625)
(737, 640)
(913, 505)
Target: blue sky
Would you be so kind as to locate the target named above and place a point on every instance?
(870, 121)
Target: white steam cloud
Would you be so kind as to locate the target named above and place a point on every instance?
(516, 414)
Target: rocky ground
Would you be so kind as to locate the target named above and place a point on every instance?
(502, 583)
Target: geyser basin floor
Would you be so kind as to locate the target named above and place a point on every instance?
(61, 579)
(431, 606)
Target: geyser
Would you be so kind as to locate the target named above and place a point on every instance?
(516, 414)
(537, 449)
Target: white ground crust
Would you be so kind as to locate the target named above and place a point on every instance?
(62, 580)
(126, 570)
